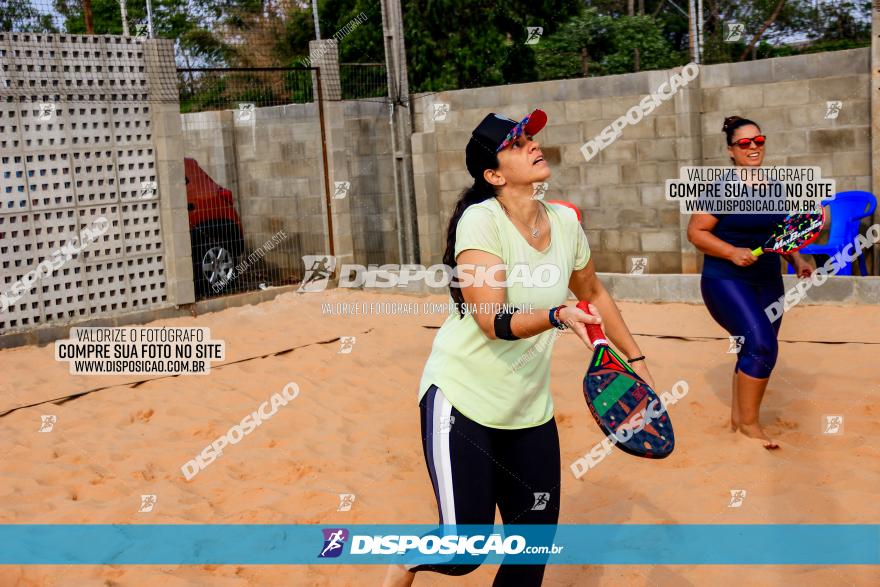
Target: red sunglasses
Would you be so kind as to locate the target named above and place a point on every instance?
(745, 143)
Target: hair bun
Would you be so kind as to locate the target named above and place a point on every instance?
(728, 121)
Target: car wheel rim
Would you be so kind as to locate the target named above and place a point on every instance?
(217, 264)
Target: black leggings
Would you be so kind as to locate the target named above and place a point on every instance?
(474, 467)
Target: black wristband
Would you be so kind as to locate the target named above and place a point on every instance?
(502, 326)
(553, 321)
(634, 359)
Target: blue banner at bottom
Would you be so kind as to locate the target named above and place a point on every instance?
(567, 544)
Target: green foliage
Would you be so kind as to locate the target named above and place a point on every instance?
(836, 45)
(462, 43)
(364, 43)
(576, 49)
(22, 16)
(106, 18)
(839, 22)
(765, 50)
(599, 44)
(442, 58)
(825, 25)
(225, 90)
(639, 32)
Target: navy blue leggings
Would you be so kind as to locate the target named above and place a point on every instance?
(739, 308)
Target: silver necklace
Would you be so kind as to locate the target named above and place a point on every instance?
(534, 231)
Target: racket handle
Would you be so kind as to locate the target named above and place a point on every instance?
(758, 252)
(594, 331)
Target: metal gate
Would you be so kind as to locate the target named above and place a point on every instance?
(256, 159)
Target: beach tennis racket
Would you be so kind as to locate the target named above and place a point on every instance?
(794, 233)
(620, 400)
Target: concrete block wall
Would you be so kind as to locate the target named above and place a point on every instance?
(789, 98)
(370, 167)
(161, 75)
(279, 167)
(84, 125)
(620, 190)
(842, 290)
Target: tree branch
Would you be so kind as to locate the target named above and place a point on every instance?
(657, 10)
(763, 28)
(87, 16)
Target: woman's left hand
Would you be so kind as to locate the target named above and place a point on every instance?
(802, 267)
(641, 369)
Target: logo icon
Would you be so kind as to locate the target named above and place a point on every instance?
(366, 168)
(446, 423)
(638, 265)
(340, 189)
(733, 31)
(736, 343)
(737, 496)
(140, 30)
(147, 503)
(541, 500)
(346, 344)
(832, 109)
(439, 112)
(47, 111)
(319, 268)
(346, 500)
(47, 423)
(334, 539)
(246, 112)
(148, 190)
(534, 34)
(540, 190)
(833, 424)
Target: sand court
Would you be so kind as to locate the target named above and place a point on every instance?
(353, 429)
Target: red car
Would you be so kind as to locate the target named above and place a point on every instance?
(215, 230)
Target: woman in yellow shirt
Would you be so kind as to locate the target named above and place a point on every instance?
(489, 436)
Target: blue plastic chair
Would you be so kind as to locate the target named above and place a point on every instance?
(847, 209)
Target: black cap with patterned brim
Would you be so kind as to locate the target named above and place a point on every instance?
(496, 132)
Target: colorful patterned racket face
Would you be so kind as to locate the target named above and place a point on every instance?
(623, 405)
(794, 233)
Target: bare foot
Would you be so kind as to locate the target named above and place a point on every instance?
(398, 576)
(755, 431)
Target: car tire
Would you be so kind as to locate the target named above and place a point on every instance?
(214, 258)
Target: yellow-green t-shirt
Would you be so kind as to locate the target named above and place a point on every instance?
(506, 383)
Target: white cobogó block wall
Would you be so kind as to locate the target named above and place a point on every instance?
(76, 144)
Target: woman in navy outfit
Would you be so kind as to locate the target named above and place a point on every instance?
(737, 286)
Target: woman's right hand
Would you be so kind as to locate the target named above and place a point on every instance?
(742, 257)
(577, 320)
